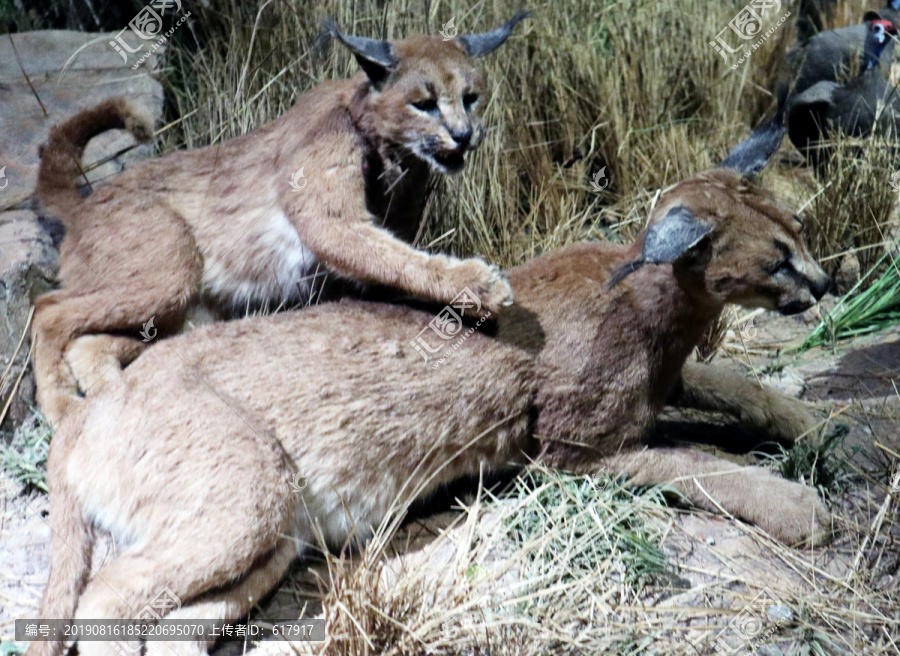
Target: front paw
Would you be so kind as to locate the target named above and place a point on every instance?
(487, 283)
(789, 419)
(794, 514)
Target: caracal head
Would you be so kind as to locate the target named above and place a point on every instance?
(743, 246)
(425, 93)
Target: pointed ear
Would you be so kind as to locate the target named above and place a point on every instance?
(751, 155)
(479, 45)
(677, 235)
(375, 57)
(673, 237)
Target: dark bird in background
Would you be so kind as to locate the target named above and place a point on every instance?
(830, 55)
(853, 106)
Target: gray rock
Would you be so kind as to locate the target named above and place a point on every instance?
(28, 264)
(779, 613)
(45, 77)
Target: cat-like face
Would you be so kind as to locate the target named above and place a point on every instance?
(426, 94)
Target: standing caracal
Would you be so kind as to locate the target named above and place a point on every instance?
(337, 184)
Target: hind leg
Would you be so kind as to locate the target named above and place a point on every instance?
(122, 296)
(229, 604)
(61, 318)
(202, 493)
(96, 360)
(121, 590)
(181, 583)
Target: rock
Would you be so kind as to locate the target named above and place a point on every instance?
(848, 274)
(45, 77)
(28, 263)
(779, 613)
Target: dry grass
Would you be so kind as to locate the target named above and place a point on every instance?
(490, 584)
(851, 212)
(524, 574)
(599, 78)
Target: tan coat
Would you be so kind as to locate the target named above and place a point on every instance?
(189, 460)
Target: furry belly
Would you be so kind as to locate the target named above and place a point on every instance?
(268, 269)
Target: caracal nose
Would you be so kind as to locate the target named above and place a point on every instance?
(462, 137)
(821, 286)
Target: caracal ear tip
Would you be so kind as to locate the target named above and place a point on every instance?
(484, 43)
(329, 25)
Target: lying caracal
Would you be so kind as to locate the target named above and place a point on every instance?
(224, 222)
(188, 459)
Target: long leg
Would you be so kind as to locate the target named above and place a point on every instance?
(711, 388)
(788, 511)
(125, 294)
(71, 542)
(344, 236)
(189, 565)
(228, 604)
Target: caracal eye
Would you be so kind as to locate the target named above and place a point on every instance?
(428, 105)
(469, 99)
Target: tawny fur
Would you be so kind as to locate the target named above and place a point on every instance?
(223, 225)
(188, 459)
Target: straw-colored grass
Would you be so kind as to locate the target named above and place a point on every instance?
(522, 574)
(851, 210)
(632, 86)
(477, 589)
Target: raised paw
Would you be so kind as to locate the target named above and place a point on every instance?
(486, 282)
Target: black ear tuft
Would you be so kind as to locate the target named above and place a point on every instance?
(671, 238)
(375, 57)
(623, 272)
(479, 45)
(665, 241)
